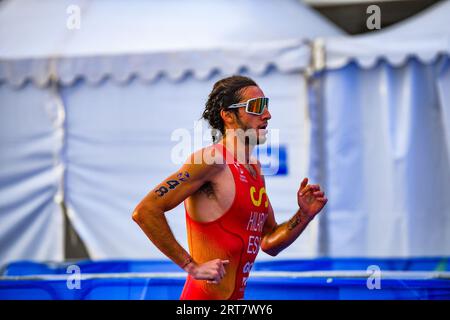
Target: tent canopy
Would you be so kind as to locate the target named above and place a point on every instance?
(432, 21)
(150, 38)
(424, 36)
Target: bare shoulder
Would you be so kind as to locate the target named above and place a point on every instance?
(207, 161)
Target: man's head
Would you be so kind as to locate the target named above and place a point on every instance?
(230, 91)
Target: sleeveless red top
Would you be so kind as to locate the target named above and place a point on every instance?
(235, 236)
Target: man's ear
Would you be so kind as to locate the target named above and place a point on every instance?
(228, 117)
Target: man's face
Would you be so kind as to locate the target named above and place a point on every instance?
(254, 126)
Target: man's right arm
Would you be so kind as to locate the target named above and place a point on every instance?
(150, 216)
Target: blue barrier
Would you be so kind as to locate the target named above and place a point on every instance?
(271, 288)
(21, 268)
(324, 264)
(257, 289)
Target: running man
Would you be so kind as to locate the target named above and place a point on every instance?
(228, 212)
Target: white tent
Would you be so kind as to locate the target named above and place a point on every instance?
(424, 36)
(89, 115)
(382, 123)
(147, 38)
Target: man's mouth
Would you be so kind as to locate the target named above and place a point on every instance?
(264, 126)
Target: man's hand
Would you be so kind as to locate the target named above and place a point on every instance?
(213, 270)
(310, 199)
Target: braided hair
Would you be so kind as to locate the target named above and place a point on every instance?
(225, 92)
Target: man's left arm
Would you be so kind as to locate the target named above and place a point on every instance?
(278, 237)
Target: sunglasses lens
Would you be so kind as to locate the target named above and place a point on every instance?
(258, 105)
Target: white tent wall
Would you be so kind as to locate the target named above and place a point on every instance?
(382, 148)
(387, 167)
(444, 97)
(31, 171)
(119, 148)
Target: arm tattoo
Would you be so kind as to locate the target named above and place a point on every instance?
(293, 222)
(172, 184)
(161, 191)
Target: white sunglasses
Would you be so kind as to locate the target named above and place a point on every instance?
(253, 106)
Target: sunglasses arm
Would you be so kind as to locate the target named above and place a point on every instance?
(237, 105)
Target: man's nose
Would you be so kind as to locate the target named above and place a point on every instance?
(266, 115)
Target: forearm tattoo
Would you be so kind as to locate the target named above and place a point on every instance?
(293, 222)
(172, 184)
